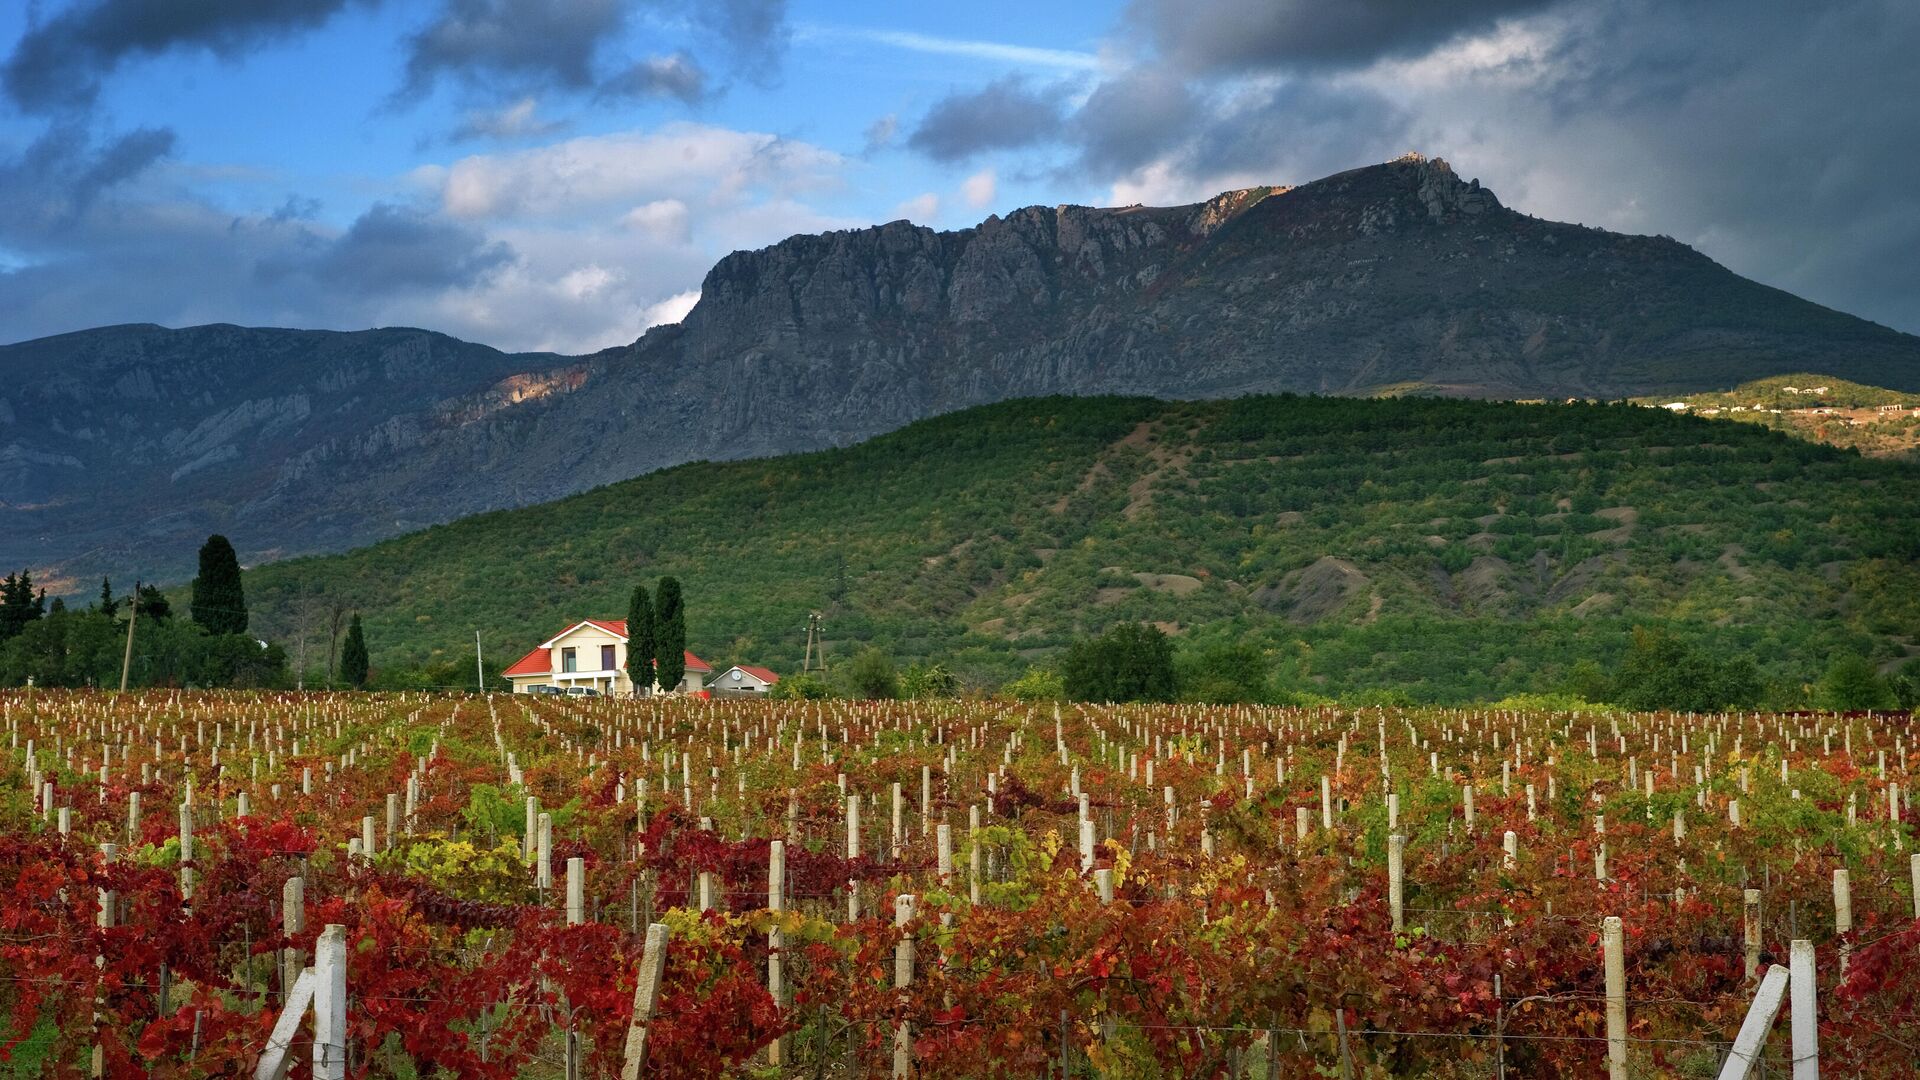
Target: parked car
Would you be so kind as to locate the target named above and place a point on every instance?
(582, 691)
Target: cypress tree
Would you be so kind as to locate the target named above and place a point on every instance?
(353, 655)
(640, 640)
(218, 602)
(19, 604)
(670, 635)
(109, 606)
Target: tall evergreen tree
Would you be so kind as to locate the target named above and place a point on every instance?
(669, 635)
(19, 604)
(109, 604)
(640, 640)
(151, 603)
(353, 655)
(218, 602)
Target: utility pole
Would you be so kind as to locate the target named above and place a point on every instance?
(816, 626)
(479, 670)
(133, 616)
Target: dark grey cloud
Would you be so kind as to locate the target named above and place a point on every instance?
(393, 248)
(520, 45)
(1295, 132)
(1133, 118)
(1006, 114)
(880, 134)
(515, 42)
(60, 62)
(58, 177)
(1243, 35)
(754, 32)
(1769, 134)
(677, 75)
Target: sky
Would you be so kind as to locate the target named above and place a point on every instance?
(559, 174)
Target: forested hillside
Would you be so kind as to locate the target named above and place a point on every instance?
(1447, 549)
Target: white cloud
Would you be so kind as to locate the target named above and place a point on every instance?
(979, 188)
(671, 310)
(515, 121)
(683, 161)
(664, 220)
(1003, 52)
(922, 209)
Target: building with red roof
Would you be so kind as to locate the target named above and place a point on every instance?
(744, 679)
(591, 655)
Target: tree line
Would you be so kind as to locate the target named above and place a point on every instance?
(136, 638)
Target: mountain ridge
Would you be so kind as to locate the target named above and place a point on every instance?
(1384, 278)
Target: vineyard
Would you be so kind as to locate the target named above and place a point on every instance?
(202, 885)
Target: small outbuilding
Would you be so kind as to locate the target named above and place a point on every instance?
(744, 679)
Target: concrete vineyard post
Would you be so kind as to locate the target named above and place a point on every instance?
(1613, 944)
(973, 858)
(902, 979)
(330, 1004)
(1751, 921)
(186, 851)
(1397, 880)
(646, 994)
(293, 922)
(853, 852)
(776, 940)
(576, 891)
(1843, 914)
(1753, 1030)
(543, 853)
(1806, 1017)
(103, 918)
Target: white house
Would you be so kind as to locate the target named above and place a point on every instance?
(592, 655)
(741, 678)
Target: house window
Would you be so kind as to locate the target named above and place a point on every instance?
(606, 658)
(567, 662)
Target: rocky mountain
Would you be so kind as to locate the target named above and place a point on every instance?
(120, 448)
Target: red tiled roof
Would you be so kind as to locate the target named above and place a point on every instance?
(537, 662)
(760, 673)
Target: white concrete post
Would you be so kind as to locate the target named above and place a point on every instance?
(186, 850)
(1750, 903)
(1613, 943)
(973, 858)
(853, 852)
(1753, 1030)
(1397, 880)
(1843, 913)
(543, 853)
(646, 993)
(776, 939)
(293, 922)
(1806, 1016)
(576, 891)
(902, 978)
(330, 1004)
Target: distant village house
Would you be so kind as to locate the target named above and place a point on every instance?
(744, 679)
(591, 655)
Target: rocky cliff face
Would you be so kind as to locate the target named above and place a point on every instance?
(121, 448)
